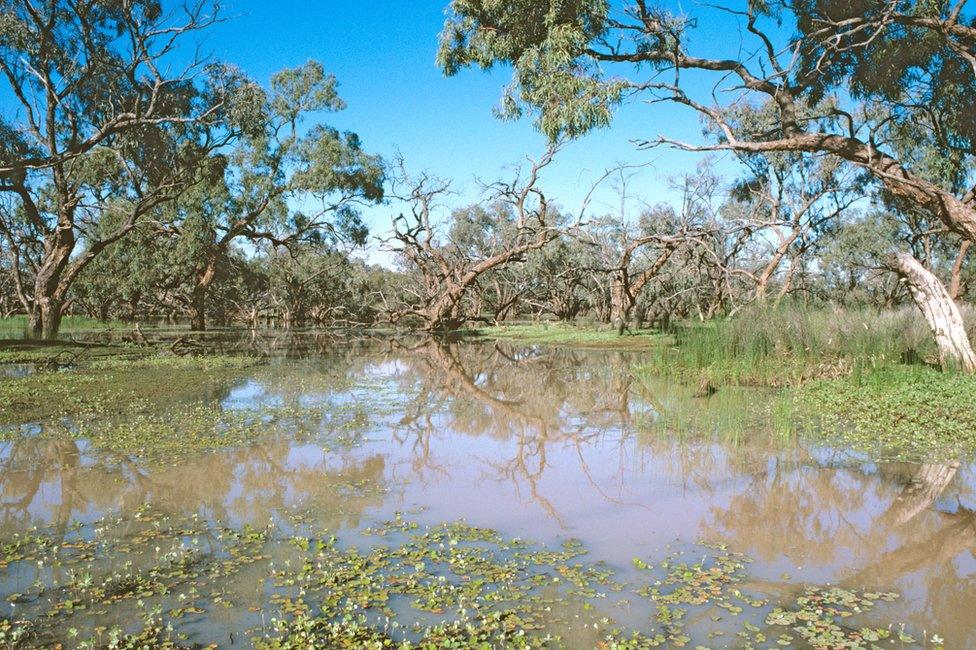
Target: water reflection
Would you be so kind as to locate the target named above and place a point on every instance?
(540, 443)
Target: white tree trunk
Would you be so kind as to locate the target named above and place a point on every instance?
(940, 312)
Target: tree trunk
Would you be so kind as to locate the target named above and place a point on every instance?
(768, 271)
(50, 285)
(787, 282)
(619, 302)
(45, 318)
(954, 285)
(51, 321)
(445, 313)
(198, 297)
(198, 309)
(941, 313)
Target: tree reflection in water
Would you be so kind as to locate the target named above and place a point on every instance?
(541, 443)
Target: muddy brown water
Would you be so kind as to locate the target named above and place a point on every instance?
(544, 444)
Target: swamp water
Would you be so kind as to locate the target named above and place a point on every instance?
(477, 492)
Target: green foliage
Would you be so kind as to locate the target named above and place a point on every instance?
(543, 41)
(483, 32)
(304, 89)
(895, 411)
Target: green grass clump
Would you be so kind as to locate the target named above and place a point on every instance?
(563, 334)
(903, 412)
(792, 344)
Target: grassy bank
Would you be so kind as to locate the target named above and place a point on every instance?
(792, 345)
(570, 335)
(857, 378)
(17, 326)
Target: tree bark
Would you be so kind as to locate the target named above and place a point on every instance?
(198, 298)
(625, 289)
(444, 314)
(620, 302)
(940, 311)
(787, 282)
(768, 271)
(45, 318)
(198, 309)
(956, 282)
(50, 283)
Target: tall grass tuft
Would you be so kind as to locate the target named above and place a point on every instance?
(792, 343)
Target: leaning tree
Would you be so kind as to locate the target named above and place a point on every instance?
(515, 220)
(887, 85)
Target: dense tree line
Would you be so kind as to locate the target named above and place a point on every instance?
(727, 244)
(118, 131)
(134, 188)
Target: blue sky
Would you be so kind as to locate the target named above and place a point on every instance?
(398, 100)
(383, 52)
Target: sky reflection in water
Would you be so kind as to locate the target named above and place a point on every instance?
(544, 444)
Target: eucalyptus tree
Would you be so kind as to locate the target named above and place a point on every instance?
(855, 80)
(311, 284)
(102, 123)
(280, 183)
(660, 232)
(561, 277)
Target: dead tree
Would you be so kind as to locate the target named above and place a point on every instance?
(791, 201)
(626, 286)
(447, 272)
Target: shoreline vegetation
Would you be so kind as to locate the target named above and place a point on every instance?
(144, 401)
(563, 334)
(206, 263)
(859, 378)
(856, 378)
